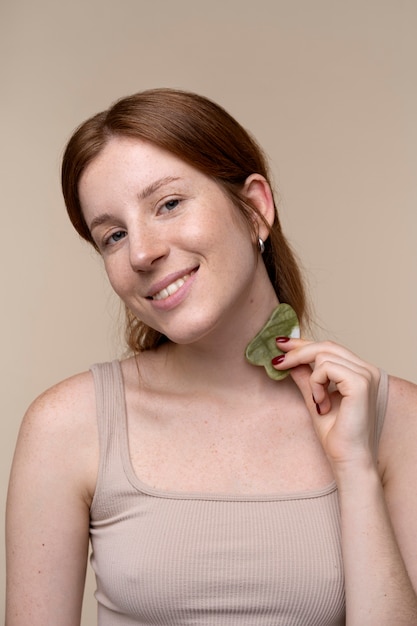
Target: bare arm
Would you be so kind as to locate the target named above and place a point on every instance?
(379, 522)
(47, 526)
(378, 502)
(398, 460)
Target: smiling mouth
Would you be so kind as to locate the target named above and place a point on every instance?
(172, 288)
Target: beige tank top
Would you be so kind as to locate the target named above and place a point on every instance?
(175, 559)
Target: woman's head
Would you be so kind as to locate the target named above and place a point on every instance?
(202, 134)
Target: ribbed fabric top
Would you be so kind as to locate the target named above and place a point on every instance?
(175, 559)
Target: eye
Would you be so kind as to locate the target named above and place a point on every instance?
(115, 237)
(169, 205)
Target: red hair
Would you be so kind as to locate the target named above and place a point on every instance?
(203, 134)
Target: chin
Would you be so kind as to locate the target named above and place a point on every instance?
(199, 324)
(185, 339)
(190, 333)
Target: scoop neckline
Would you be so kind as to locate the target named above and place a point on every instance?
(146, 489)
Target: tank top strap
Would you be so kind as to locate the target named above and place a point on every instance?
(110, 407)
(381, 406)
(109, 397)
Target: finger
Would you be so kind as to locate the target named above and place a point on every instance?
(328, 370)
(349, 379)
(300, 352)
(301, 375)
(303, 351)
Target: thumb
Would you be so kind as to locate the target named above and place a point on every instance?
(301, 375)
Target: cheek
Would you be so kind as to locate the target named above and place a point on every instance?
(118, 276)
(219, 228)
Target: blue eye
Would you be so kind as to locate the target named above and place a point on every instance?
(170, 205)
(115, 237)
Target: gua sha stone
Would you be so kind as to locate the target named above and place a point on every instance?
(263, 347)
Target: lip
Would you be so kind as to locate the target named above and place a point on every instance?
(173, 299)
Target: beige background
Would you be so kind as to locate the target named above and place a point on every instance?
(327, 86)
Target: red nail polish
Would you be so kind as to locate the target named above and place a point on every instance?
(278, 359)
(317, 405)
(282, 339)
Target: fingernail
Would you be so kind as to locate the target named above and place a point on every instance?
(278, 359)
(317, 405)
(282, 339)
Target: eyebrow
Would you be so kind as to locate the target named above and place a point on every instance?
(101, 219)
(145, 193)
(150, 189)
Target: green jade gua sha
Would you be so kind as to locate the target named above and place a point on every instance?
(263, 347)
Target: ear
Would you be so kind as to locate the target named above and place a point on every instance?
(258, 192)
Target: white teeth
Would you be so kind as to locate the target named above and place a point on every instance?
(172, 288)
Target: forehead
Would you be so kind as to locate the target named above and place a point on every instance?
(127, 166)
(122, 154)
(128, 170)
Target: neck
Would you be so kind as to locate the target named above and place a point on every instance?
(218, 360)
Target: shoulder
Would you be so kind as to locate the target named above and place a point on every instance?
(67, 404)
(402, 404)
(397, 445)
(52, 483)
(59, 432)
(402, 390)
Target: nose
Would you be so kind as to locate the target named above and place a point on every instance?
(146, 248)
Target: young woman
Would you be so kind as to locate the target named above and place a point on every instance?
(211, 493)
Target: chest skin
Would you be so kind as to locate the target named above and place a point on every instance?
(177, 558)
(200, 442)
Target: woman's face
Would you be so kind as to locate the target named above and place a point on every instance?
(175, 248)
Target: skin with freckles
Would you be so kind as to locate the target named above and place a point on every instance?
(340, 391)
(182, 259)
(170, 240)
(157, 220)
(342, 416)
